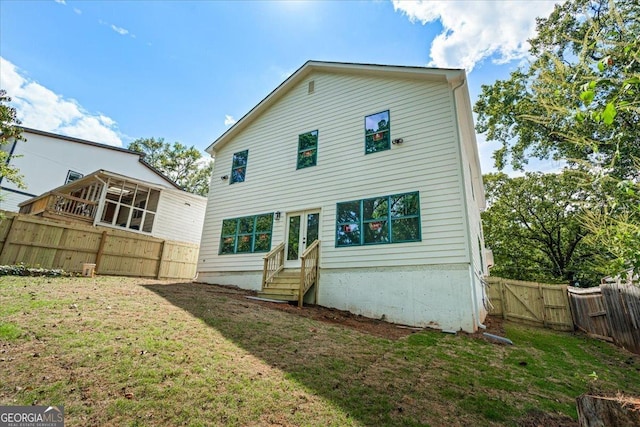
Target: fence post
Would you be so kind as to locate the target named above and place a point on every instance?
(544, 306)
(160, 261)
(503, 301)
(103, 240)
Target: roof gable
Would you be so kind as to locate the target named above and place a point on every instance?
(389, 71)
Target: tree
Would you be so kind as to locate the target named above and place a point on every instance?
(539, 111)
(9, 132)
(533, 224)
(579, 101)
(184, 165)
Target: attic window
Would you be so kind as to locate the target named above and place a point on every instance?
(312, 86)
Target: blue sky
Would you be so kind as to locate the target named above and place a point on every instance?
(116, 71)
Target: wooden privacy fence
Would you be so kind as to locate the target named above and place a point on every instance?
(610, 312)
(55, 244)
(533, 303)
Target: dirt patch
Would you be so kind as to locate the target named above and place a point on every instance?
(360, 323)
(542, 419)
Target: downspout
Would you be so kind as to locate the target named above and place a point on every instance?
(476, 310)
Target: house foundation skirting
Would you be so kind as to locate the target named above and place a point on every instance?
(436, 296)
(424, 296)
(251, 280)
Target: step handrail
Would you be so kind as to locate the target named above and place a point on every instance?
(273, 264)
(309, 261)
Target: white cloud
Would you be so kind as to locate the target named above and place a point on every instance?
(229, 120)
(60, 1)
(120, 30)
(475, 30)
(41, 108)
(77, 11)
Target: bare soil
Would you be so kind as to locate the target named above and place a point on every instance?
(376, 327)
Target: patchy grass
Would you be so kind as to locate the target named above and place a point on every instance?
(119, 351)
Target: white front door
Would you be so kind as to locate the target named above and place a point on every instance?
(302, 229)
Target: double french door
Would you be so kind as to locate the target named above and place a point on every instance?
(302, 229)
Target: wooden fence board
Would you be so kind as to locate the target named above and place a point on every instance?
(49, 243)
(589, 312)
(622, 303)
(532, 303)
(179, 260)
(6, 219)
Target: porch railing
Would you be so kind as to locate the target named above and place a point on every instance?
(273, 264)
(64, 205)
(309, 269)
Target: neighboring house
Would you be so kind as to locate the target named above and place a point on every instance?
(108, 199)
(47, 160)
(380, 164)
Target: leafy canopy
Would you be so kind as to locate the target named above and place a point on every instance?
(579, 101)
(9, 132)
(184, 165)
(579, 98)
(534, 226)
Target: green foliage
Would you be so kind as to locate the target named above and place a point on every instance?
(579, 101)
(535, 228)
(184, 165)
(23, 270)
(9, 132)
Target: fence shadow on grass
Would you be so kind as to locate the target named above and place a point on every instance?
(366, 376)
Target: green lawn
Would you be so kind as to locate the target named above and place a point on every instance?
(118, 351)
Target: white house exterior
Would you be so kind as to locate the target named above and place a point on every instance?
(47, 160)
(381, 162)
(107, 199)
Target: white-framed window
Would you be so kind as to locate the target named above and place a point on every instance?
(129, 205)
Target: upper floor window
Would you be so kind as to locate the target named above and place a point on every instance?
(73, 176)
(239, 167)
(307, 149)
(377, 132)
(246, 235)
(386, 219)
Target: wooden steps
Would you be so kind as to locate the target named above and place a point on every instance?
(284, 287)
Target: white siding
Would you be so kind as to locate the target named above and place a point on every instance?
(45, 162)
(180, 216)
(474, 198)
(10, 200)
(422, 113)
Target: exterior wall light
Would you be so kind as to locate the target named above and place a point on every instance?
(277, 215)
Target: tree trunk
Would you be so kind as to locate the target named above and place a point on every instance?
(595, 411)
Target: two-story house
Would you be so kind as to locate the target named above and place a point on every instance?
(361, 183)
